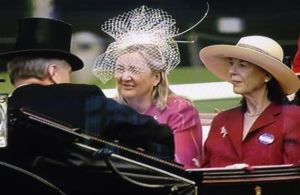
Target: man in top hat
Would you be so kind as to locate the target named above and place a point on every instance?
(41, 57)
(40, 66)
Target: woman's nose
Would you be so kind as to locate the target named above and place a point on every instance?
(232, 68)
(126, 75)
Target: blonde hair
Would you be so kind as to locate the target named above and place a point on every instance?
(161, 92)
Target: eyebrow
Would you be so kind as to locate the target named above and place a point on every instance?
(241, 60)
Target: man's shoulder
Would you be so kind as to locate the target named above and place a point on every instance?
(68, 88)
(74, 86)
(56, 89)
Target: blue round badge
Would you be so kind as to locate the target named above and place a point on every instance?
(266, 138)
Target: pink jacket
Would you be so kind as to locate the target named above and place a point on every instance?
(273, 139)
(183, 118)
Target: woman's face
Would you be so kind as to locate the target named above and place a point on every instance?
(133, 76)
(246, 77)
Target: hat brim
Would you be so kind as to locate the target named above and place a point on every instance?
(75, 62)
(216, 59)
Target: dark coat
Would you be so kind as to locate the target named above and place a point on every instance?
(68, 103)
(48, 152)
(86, 107)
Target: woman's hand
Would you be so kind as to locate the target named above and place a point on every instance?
(238, 166)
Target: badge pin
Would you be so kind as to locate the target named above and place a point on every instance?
(266, 138)
(223, 132)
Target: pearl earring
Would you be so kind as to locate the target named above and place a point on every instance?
(267, 80)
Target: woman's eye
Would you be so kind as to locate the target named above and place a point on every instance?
(243, 64)
(119, 69)
(134, 70)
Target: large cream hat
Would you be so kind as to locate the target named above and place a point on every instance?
(259, 50)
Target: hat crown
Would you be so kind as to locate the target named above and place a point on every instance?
(44, 37)
(263, 45)
(43, 34)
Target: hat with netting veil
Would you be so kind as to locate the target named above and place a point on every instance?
(139, 27)
(146, 29)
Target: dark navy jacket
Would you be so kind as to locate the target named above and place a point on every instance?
(86, 107)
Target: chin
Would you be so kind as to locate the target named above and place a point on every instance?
(127, 95)
(238, 91)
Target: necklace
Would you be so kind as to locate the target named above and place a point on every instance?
(253, 115)
(248, 114)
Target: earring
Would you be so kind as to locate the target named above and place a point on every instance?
(267, 80)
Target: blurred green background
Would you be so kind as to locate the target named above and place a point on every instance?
(180, 75)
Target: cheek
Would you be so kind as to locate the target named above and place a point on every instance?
(143, 81)
(256, 79)
(254, 83)
(147, 79)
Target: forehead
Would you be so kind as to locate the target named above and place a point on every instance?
(238, 59)
(254, 66)
(241, 61)
(134, 58)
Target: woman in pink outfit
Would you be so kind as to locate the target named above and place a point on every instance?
(183, 118)
(144, 87)
(142, 55)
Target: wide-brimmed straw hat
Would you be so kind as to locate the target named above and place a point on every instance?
(44, 37)
(259, 50)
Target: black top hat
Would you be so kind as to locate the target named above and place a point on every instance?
(44, 37)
